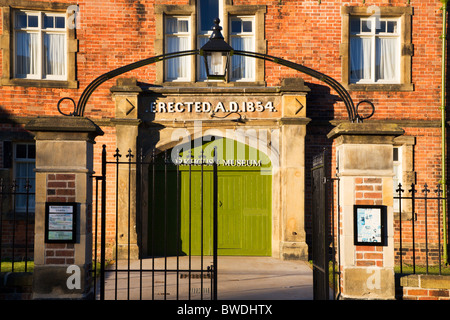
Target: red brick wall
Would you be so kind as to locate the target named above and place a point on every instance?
(114, 33)
(61, 187)
(424, 287)
(369, 256)
(368, 191)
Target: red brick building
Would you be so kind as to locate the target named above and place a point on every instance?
(387, 52)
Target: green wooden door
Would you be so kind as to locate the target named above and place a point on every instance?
(229, 211)
(244, 206)
(244, 213)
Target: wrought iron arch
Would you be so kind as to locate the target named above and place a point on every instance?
(352, 111)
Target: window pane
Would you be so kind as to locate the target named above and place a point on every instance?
(177, 68)
(183, 26)
(31, 151)
(21, 170)
(366, 26)
(246, 26)
(171, 25)
(54, 51)
(355, 25)
(200, 61)
(26, 53)
(386, 62)
(60, 22)
(21, 151)
(236, 26)
(360, 59)
(242, 68)
(21, 20)
(25, 176)
(48, 22)
(395, 154)
(209, 10)
(392, 26)
(33, 21)
(381, 27)
(30, 168)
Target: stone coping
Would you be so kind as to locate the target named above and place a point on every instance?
(365, 129)
(425, 281)
(63, 124)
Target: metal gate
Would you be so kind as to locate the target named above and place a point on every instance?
(164, 274)
(320, 227)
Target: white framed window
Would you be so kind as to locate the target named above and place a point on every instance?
(207, 11)
(398, 169)
(375, 50)
(24, 175)
(177, 38)
(40, 45)
(200, 15)
(242, 38)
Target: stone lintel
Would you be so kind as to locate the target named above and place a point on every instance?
(366, 132)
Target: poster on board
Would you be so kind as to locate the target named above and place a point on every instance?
(60, 222)
(369, 225)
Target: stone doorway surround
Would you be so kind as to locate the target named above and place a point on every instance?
(271, 119)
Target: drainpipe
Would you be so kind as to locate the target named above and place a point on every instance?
(443, 155)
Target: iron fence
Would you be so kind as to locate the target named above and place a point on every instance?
(16, 225)
(419, 228)
(162, 269)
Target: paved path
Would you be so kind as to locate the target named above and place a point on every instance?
(239, 278)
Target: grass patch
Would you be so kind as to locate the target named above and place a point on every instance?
(432, 270)
(19, 266)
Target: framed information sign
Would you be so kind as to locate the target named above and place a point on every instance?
(60, 222)
(370, 225)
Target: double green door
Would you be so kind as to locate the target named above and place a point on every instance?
(181, 217)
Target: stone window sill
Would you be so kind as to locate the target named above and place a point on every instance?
(40, 83)
(381, 87)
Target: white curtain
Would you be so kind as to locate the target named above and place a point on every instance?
(360, 59)
(386, 58)
(177, 68)
(242, 67)
(26, 54)
(55, 48)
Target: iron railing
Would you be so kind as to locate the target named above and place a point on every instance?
(419, 228)
(16, 225)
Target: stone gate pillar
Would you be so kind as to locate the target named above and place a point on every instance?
(292, 170)
(364, 160)
(126, 96)
(64, 166)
